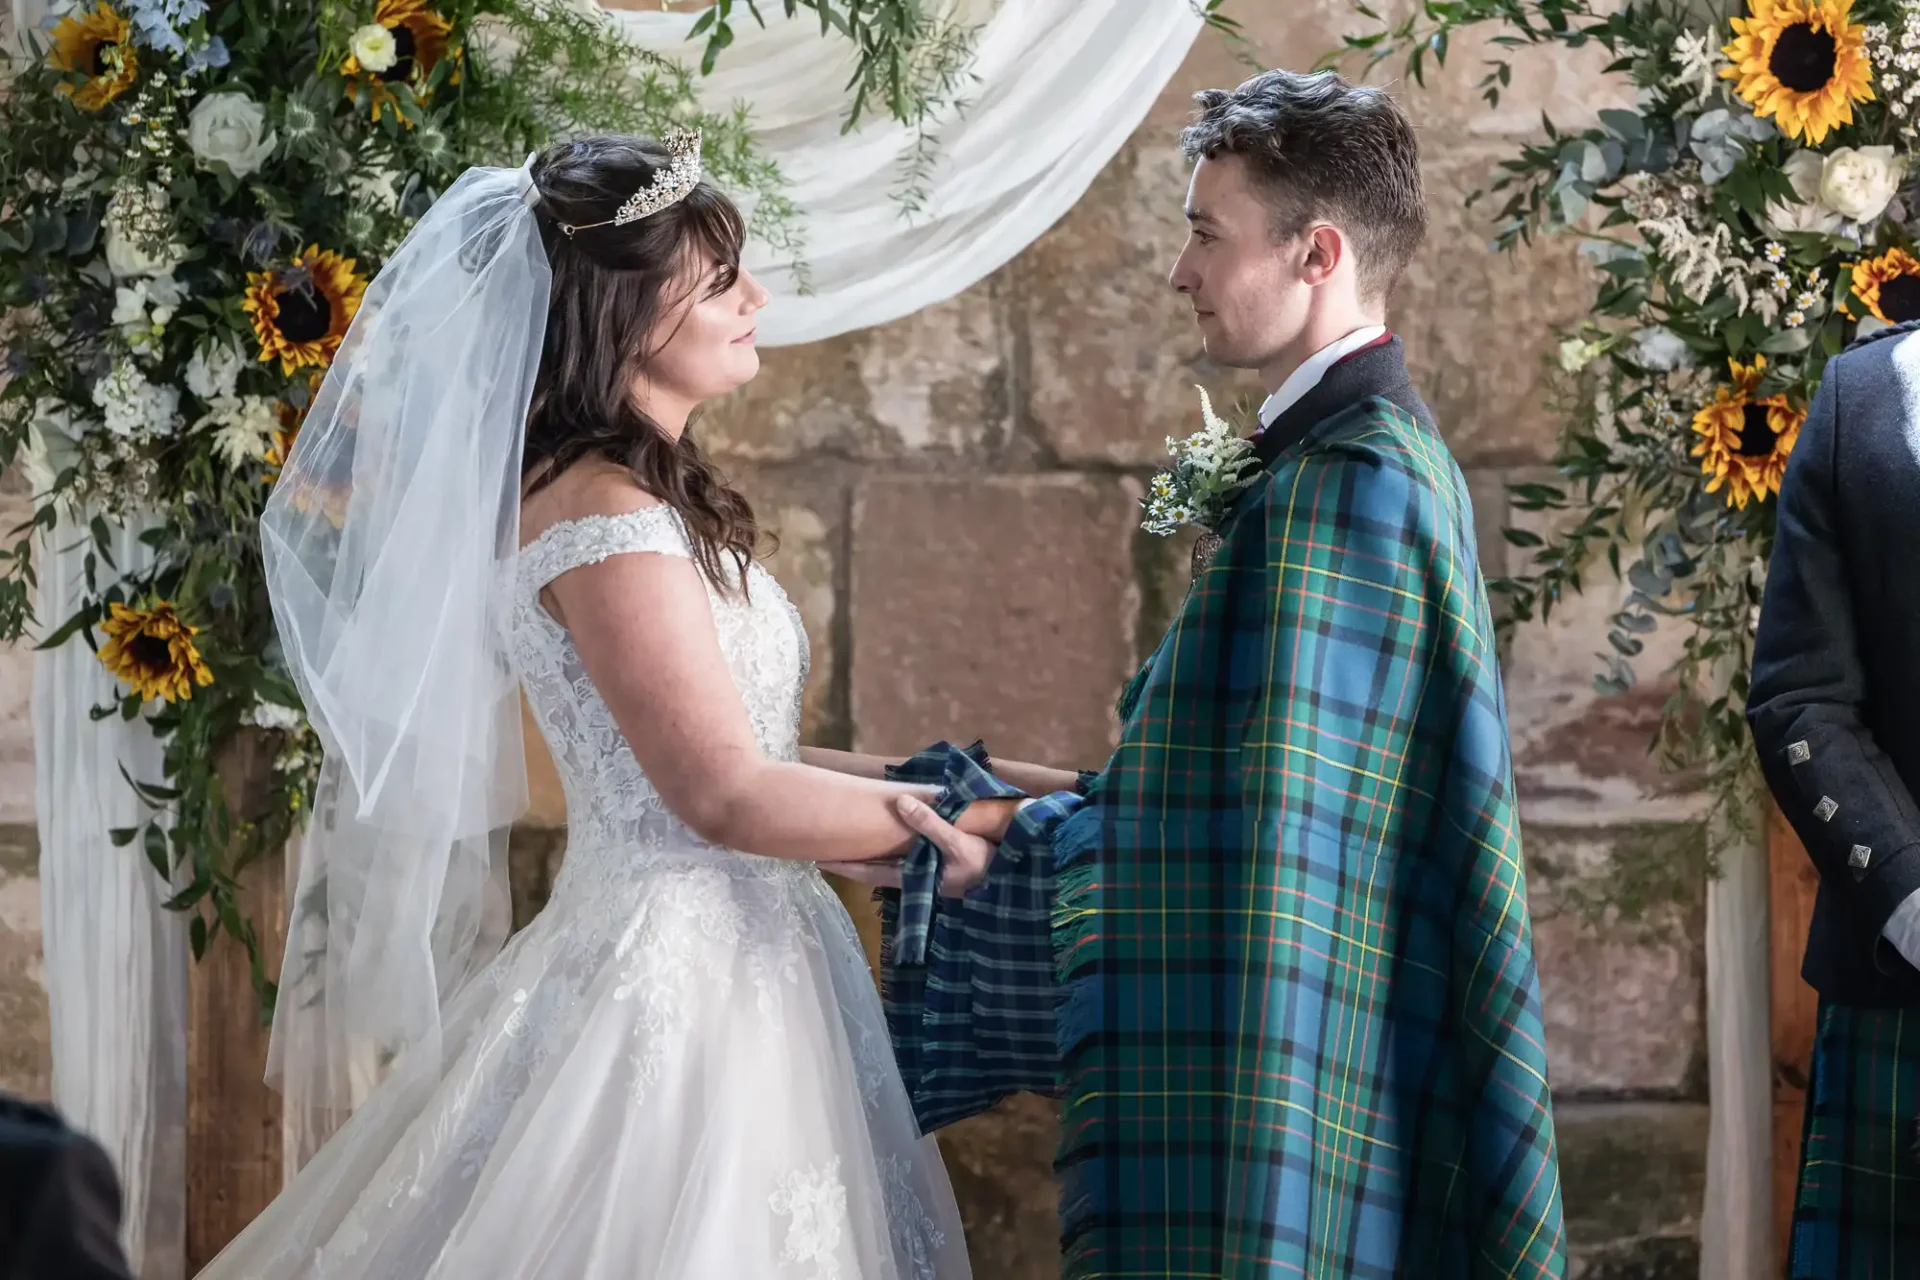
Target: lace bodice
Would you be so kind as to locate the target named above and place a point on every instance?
(617, 822)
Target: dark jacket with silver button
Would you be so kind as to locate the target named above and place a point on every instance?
(1835, 700)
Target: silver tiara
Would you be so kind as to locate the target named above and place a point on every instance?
(669, 185)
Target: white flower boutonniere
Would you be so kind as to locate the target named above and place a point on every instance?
(1209, 467)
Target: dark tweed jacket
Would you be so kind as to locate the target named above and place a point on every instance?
(1835, 700)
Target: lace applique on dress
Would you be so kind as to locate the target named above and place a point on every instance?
(917, 1239)
(815, 1202)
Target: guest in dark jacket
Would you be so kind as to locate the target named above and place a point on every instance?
(59, 1200)
(1835, 712)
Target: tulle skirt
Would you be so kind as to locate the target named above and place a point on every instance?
(679, 1070)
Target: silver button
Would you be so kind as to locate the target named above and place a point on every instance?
(1799, 752)
(1860, 857)
(1827, 807)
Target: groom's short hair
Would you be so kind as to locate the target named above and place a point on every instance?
(1319, 149)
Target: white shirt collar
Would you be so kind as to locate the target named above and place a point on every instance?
(1314, 368)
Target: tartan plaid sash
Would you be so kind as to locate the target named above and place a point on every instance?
(1299, 1021)
(1291, 1001)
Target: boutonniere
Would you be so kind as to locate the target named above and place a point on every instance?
(1209, 468)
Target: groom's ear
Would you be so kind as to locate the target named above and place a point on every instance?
(1323, 251)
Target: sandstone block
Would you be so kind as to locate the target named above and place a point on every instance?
(1116, 354)
(26, 1050)
(1481, 326)
(1624, 996)
(1582, 758)
(1633, 1178)
(936, 380)
(998, 607)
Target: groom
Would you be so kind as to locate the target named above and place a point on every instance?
(1291, 1003)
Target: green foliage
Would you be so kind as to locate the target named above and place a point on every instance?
(1704, 253)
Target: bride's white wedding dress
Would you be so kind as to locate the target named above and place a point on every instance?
(678, 1070)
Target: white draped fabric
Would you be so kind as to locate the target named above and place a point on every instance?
(1059, 87)
(116, 962)
(1736, 1237)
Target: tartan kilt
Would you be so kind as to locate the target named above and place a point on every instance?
(1856, 1214)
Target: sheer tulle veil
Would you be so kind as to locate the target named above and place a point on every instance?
(390, 544)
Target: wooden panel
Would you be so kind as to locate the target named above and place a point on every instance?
(1791, 885)
(233, 1118)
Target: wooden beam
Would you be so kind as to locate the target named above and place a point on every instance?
(233, 1118)
(1791, 885)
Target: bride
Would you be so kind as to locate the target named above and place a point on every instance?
(680, 1068)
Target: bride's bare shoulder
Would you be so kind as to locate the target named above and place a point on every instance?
(590, 487)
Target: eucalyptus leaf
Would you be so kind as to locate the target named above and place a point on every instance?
(1709, 126)
(1649, 580)
(1593, 163)
(1623, 124)
(1788, 341)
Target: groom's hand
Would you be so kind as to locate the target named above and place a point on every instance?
(967, 856)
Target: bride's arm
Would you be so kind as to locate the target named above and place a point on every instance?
(1034, 779)
(645, 633)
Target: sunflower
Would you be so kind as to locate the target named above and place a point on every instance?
(98, 46)
(152, 652)
(1744, 441)
(1801, 62)
(420, 41)
(300, 314)
(1889, 285)
(280, 447)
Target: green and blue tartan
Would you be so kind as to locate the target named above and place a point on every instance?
(1298, 1020)
(1857, 1213)
(1300, 1025)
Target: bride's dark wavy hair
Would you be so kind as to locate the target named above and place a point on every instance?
(611, 287)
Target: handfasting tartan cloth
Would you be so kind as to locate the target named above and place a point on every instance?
(1301, 1028)
(971, 1018)
(1857, 1213)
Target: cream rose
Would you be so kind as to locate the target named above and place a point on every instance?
(1859, 182)
(375, 48)
(230, 129)
(1804, 171)
(136, 233)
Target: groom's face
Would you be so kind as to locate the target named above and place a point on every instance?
(1247, 297)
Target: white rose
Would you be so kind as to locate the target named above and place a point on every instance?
(127, 257)
(213, 369)
(1803, 170)
(374, 48)
(136, 218)
(1660, 350)
(230, 129)
(1858, 182)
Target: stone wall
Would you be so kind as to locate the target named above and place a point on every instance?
(956, 499)
(25, 1065)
